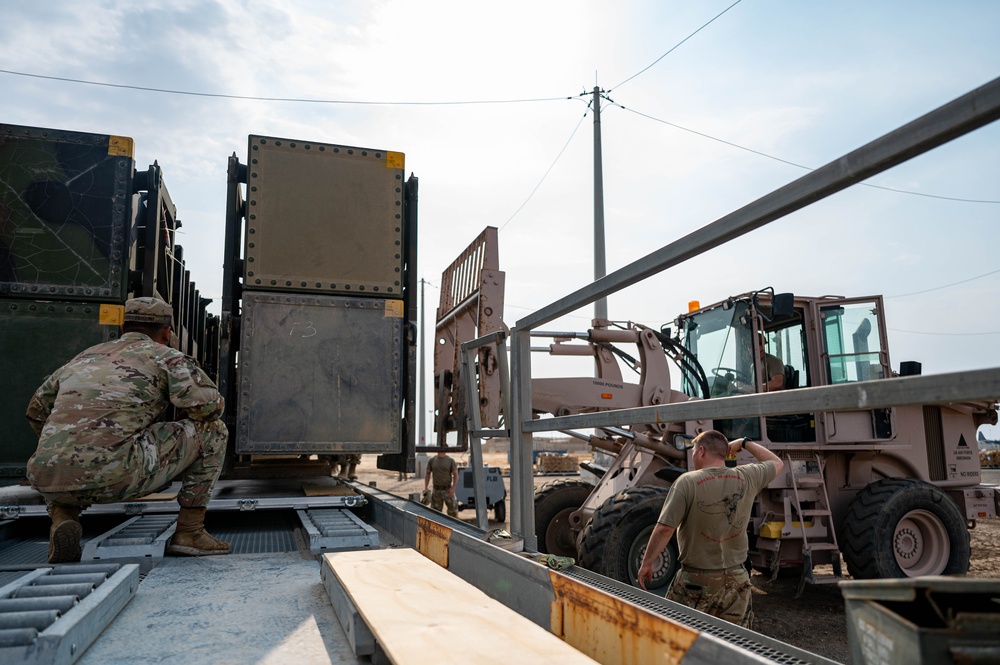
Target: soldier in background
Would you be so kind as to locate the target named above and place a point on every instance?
(102, 440)
(709, 508)
(344, 465)
(349, 466)
(444, 471)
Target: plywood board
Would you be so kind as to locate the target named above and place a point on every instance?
(420, 614)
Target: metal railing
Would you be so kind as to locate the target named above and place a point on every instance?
(957, 118)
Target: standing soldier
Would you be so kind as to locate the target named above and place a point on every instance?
(102, 440)
(445, 473)
(709, 508)
(349, 466)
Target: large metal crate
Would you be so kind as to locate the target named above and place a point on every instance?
(320, 374)
(324, 218)
(36, 338)
(67, 200)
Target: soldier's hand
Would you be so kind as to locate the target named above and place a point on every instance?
(644, 575)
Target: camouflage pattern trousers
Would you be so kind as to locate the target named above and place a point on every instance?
(441, 497)
(722, 593)
(189, 449)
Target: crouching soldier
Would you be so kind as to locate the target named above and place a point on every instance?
(102, 440)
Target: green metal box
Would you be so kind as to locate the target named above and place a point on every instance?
(36, 338)
(66, 204)
(923, 620)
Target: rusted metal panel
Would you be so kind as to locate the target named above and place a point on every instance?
(611, 630)
(432, 541)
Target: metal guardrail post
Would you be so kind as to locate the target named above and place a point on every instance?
(473, 417)
(522, 521)
(472, 425)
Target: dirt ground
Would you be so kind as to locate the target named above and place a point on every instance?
(815, 621)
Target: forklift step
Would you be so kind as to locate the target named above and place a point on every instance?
(141, 539)
(829, 547)
(332, 529)
(808, 481)
(822, 512)
(825, 579)
(49, 616)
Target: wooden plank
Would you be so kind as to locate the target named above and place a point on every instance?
(420, 614)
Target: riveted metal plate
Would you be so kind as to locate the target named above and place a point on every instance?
(68, 202)
(320, 374)
(323, 218)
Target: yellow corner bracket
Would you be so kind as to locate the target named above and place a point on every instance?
(121, 146)
(393, 309)
(112, 315)
(394, 160)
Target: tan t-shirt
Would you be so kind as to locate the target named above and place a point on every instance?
(710, 509)
(441, 469)
(772, 366)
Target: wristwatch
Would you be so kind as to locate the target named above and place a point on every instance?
(743, 444)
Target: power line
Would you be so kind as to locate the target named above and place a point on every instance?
(944, 334)
(945, 286)
(675, 46)
(785, 161)
(295, 100)
(566, 145)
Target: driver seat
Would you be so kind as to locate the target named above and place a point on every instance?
(791, 377)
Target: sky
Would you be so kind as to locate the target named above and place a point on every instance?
(699, 120)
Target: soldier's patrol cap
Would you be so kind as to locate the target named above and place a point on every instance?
(148, 310)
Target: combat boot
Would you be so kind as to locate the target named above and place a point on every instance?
(352, 471)
(65, 534)
(190, 537)
(343, 471)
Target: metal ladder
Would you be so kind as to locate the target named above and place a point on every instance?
(810, 487)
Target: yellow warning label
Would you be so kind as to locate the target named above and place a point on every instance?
(121, 146)
(112, 315)
(394, 160)
(393, 309)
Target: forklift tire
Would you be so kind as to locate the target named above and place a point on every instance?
(615, 540)
(500, 511)
(554, 503)
(902, 527)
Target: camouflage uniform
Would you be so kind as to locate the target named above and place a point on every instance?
(100, 435)
(441, 470)
(710, 508)
(722, 593)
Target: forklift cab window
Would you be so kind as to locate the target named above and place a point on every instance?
(788, 345)
(716, 338)
(852, 342)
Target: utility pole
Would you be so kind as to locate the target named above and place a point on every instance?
(422, 420)
(600, 267)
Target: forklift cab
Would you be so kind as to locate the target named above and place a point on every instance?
(737, 341)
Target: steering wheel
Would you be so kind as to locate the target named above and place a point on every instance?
(721, 372)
